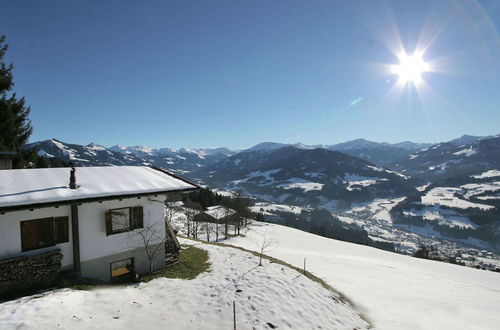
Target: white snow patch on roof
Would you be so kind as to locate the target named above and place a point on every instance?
(219, 211)
(43, 185)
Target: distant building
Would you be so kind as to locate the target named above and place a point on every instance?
(216, 214)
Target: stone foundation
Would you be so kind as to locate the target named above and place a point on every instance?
(29, 272)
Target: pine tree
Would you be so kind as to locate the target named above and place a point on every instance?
(15, 125)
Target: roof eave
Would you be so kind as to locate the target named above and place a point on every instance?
(33, 206)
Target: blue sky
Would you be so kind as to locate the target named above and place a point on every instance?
(236, 73)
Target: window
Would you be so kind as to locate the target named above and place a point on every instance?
(122, 270)
(124, 219)
(44, 232)
(61, 230)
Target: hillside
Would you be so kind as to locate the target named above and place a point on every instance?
(451, 159)
(465, 207)
(395, 291)
(305, 176)
(273, 294)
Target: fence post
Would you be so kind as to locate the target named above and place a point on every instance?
(234, 314)
(304, 266)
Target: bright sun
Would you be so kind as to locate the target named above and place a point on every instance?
(410, 68)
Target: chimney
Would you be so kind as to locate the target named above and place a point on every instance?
(72, 177)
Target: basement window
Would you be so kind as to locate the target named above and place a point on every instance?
(124, 219)
(122, 270)
(44, 232)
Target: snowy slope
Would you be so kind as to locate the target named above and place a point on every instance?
(452, 158)
(395, 291)
(272, 293)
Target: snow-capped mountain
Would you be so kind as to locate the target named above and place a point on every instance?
(305, 176)
(92, 154)
(452, 158)
(183, 160)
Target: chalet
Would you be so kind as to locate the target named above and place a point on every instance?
(216, 214)
(87, 220)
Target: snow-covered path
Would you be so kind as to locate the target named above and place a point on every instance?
(272, 293)
(394, 291)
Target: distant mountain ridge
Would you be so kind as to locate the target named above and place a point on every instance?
(181, 161)
(302, 176)
(423, 160)
(453, 158)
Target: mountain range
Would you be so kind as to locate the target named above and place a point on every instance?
(336, 176)
(431, 162)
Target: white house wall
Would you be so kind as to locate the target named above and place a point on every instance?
(10, 233)
(94, 243)
(92, 226)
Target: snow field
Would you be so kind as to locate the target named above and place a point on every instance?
(394, 291)
(272, 293)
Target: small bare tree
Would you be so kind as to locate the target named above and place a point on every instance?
(265, 244)
(152, 239)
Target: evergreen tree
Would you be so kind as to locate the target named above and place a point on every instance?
(15, 126)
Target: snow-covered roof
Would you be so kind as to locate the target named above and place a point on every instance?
(47, 185)
(219, 212)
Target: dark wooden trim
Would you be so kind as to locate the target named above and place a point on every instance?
(86, 200)
(75, 239)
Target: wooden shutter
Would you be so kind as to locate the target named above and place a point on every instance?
(61, 230)
(137, 217)
(109, 225)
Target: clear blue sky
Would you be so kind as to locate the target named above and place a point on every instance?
(235, 73)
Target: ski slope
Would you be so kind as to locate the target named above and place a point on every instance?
(394, 291)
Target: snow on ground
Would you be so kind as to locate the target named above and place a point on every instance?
(446, 217)
(487, 174)
(356, 181)
(446, 196)
(270, 208)
(306, 185)
(473, 189)
(381, 169)
(467, 152)
(272, 293)
(43, 153)
(379, 208)
(395, 291)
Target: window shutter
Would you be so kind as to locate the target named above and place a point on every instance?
(109, 226)
(137, 217)
(61, 230)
